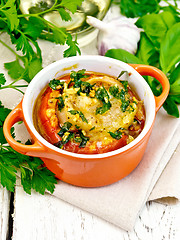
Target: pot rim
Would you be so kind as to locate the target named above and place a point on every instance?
(74, 60)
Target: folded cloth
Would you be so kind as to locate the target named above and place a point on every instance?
(121, 202)
(167, 188)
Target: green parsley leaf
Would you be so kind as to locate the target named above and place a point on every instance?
(84, 140)
(30, 167)
(26, 176)
(2, 79)
(76, 76)
(32, 27)
(74, 112)
(3, 113)
(56, 83)
(7, 174)
(15, 70)
(9, 10)
(71, 5)
(59, 35)
(104, 108)
(114, 91)
(64, 14)
(117, 134)
(23, 44)
(84, 87)
(43, 179)
(102, 95)
(60, 103)
(33, 175)
(33, 67)
(65, 128)
(73, 47)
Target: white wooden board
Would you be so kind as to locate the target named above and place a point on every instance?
(48, 218)
(4, 212)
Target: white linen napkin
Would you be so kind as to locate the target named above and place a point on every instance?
(121, 202)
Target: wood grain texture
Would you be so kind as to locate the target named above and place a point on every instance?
(4, 212)
(46, 217)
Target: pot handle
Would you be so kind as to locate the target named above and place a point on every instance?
(15, 116)
(160, 76)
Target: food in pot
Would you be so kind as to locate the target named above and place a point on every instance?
(89, 112)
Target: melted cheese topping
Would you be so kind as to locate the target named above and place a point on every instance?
(97, 126)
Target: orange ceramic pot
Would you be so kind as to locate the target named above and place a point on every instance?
(88, 170)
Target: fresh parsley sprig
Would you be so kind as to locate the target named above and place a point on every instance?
(102, 95)
(12, 85)
(115, 92)
(24, 31)
(74, 112)
(30, 169)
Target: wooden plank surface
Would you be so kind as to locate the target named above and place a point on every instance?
(46, 217)
(4, 213)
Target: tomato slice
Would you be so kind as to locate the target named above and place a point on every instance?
(46, 129)
(116, 144)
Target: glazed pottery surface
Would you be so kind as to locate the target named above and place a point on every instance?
(89, 170)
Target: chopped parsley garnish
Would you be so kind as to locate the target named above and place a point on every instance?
(74, 112)
(56, 84)
(66, 134)
(125, 84)
(84, 139)
(115, 92)
(76, 77)
(81, 138)
(65, 128)
(117, 134)
(102, 95)
(85, 87)
(60, 103)
(125, 105)
(92, 128)
(104, 108)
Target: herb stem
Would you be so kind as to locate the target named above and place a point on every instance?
(10, 49)
(16, 87)
(13, 87)
(44, 20)
(54, 26)
(173, 6)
